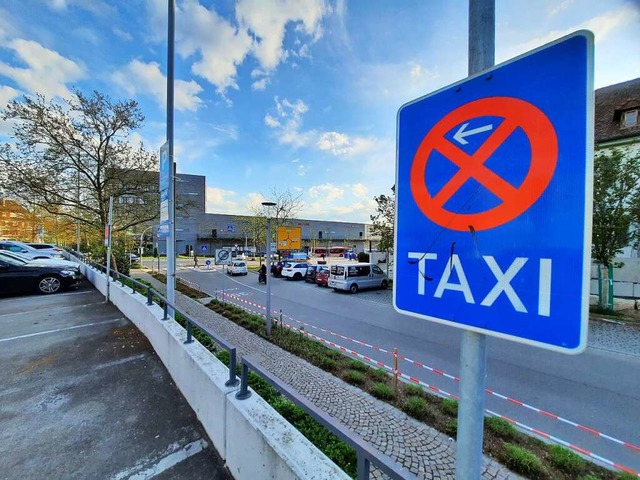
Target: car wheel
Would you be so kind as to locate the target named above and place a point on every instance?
(297, 276)
(49, 284)
(353, 288)
(384, 285)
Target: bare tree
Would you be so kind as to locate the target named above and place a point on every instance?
(68, 158)
(286, 207)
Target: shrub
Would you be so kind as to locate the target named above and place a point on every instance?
(627, 476)
(363, 257)
(416, 407)
(383, 391)
(566, 460)
(451, 428)
(501, 428)
(328, 364)
(590, 477)
(354, 377)
(450, 407)
(380, 374)
(357, 365)
(414, 390)
(523, 461)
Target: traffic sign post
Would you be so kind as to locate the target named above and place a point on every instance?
(223, 256)
(494, 199)
(493, 211)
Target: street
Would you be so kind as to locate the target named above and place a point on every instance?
(597, 389)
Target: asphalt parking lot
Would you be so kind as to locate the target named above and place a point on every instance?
(83, 395)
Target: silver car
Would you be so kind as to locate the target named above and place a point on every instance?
(357, 276)
(26, 250)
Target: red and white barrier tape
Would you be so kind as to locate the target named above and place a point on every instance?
(566, 444)
(438, 372)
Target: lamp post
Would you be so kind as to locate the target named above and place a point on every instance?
(268, 206)
(142, 239)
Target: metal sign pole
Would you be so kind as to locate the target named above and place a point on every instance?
(171, 239)
(109, 232)
(473, 358)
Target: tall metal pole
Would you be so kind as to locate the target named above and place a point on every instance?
(473, 356)
(171, 240)
(268, 280)
(109, 235)
(77, 220)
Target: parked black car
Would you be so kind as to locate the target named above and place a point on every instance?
(310, 276)
(18, 277)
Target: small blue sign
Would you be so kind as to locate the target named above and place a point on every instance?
(494, 199)
(203, 248)
(165, 179)
(207, 262)
(230, 228)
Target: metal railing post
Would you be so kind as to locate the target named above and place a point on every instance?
(189, 339)
(244, 392)
(166, 312)
(233, 381)
(149, 296)
(363, 466)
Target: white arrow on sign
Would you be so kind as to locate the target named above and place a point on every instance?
(462, 133)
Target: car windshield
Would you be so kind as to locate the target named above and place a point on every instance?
(14, 256)
(11, 261)
(239, 264)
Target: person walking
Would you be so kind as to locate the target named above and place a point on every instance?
(195, 261)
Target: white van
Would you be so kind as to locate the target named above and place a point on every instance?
(357, 276)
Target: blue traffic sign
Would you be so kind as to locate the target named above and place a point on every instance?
(494, 198)
(203, 248)
(207, 262)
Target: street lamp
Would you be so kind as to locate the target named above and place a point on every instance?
(141, 240)
(268, 206)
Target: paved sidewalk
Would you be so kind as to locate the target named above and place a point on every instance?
(423, 450)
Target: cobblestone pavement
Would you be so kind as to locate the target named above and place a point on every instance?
(614, 337)
(423, 450)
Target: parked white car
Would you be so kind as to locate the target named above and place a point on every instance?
(26, 250)
(294, 270)
(52, 262)
(357, 276)
(237, 267)
(47, 248)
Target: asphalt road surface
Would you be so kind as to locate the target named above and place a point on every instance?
(597, 389)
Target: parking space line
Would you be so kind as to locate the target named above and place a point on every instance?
(164, 463)
(59, 309)
(114, 363)
(61, 329)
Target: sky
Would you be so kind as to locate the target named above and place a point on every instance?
(291, 95)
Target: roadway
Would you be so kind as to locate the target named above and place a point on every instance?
(598, 388)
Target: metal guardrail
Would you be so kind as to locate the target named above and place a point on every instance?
(191, 322)
(366, 453)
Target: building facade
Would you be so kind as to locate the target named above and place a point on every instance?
(202, 232)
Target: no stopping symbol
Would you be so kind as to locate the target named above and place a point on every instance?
(514, 201)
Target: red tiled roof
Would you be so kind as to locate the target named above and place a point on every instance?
(611, 101)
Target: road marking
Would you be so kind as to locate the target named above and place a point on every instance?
(164, 463)
(121, 361)
(56, 310)
(240, 283)
(61, 329)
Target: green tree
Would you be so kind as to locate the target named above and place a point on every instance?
(384, 220)
(69, 157)
(616, 207)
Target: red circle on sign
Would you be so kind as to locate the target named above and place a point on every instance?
(515, 201)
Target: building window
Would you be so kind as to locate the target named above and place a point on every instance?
(629, 119)
(319, 234)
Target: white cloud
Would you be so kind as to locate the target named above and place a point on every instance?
(97, 7)
(122, 34)
(219, 201)
(7, 93)
(260, 84)
(341, 202)
(47, 71)
(557, 8)
(146, 78)
(342, 144)
(287, 122)
(601, 27)
(221, 47)
(326, 192)
(267, 21)
(301, 170)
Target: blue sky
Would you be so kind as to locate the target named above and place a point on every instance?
(287, 94)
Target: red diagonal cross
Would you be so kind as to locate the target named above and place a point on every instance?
(472, 166)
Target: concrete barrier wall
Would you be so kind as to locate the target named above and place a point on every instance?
(255, 441)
